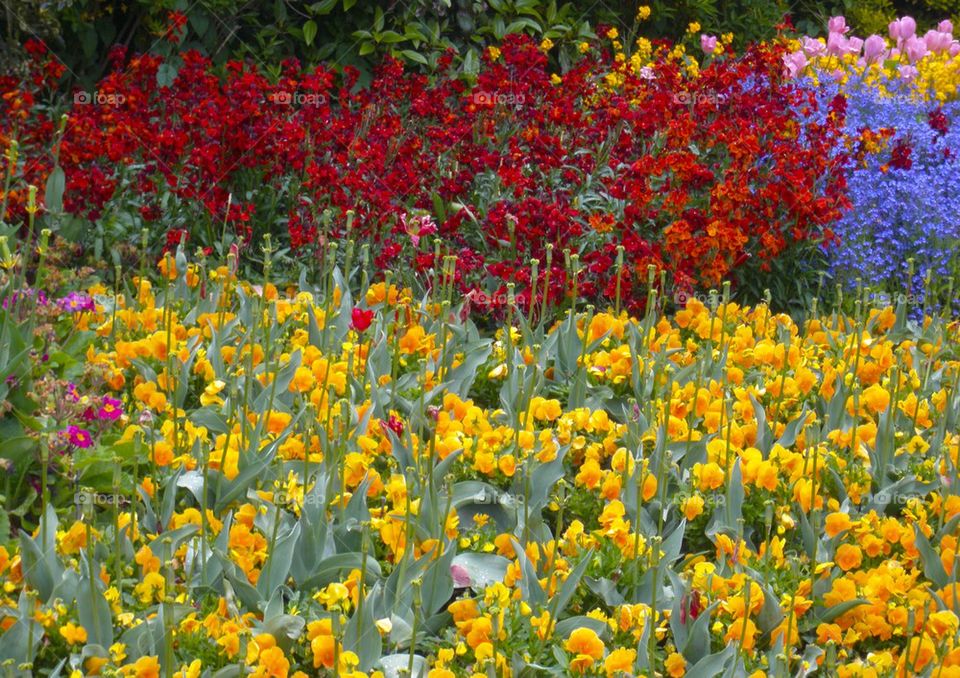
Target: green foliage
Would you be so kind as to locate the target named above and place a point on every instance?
(341, 32)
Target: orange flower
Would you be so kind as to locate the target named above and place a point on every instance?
(836, 523)
(273, 664)
(745, 629)
(876, 398)
(620, 661)
(848, 557)
(584, 641)
(692, 507)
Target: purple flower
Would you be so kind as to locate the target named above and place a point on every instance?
(77, 436)
(76, 302)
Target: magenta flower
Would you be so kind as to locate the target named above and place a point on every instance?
(77, 436)
(110, 409)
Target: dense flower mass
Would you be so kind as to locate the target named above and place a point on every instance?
(344, 480)
(926, 66)
(415, 376)
(901, 235)
(705, 171)
(903, 192)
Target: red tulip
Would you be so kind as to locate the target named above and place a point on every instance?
(361, 319)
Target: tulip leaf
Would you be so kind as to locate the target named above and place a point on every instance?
(932, 565)
(533, 593)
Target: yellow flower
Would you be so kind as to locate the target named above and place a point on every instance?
(493, 53)
(73, 634)
(675, 665)
(643, 12)
(613, 33)
(694, 27)
(151, 589)
(546, 45)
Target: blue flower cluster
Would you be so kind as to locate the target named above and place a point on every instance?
(905, 196)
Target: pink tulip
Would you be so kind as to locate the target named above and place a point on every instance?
(915, 48)
(954, 48)
(945, 26)
(795, 62)
(708, 43)
(854, 45)
(908, 73)
(812, 47)
(937, 41)
(836, 44)
(838, 24)
(874, 48)
(902, 29)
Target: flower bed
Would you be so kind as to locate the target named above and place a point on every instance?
(703, 170)
(302, 480)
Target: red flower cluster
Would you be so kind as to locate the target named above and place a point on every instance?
(697, 175)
